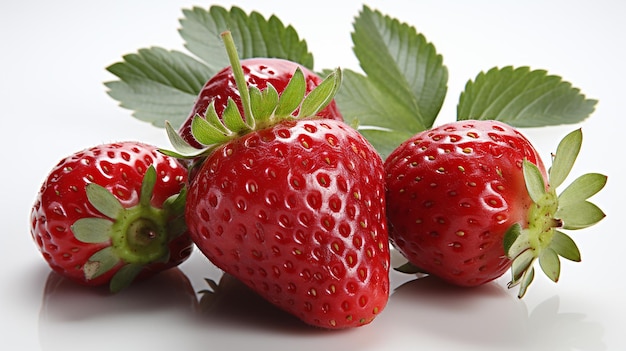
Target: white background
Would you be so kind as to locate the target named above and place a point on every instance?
(52, 65)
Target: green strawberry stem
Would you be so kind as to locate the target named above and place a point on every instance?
(543, 239)
(138, 235)
(240, 78)
(261, 109)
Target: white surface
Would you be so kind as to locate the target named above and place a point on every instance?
(53, 103)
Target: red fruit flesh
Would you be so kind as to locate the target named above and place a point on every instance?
(453, 192)
(62, 200)
(259, 72)
(297, 212)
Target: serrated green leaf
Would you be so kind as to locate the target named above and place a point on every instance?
(255, 36)
(534, 181)
(93, 230)
(160, 85)
(564, 246)
(402, 65)
(365, 106)
(550, 264)
(565, 157)
(579, 215)
(103, 200)
(523, 97)
(582, 188)
(157, 84)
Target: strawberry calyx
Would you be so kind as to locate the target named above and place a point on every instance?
(261, 109)
(137, 236)
(543, 239)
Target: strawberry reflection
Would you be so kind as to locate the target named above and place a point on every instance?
(486, 316)
(74, 316)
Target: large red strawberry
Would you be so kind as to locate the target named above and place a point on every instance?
(467, 199)
(109, 213)
(293, 206)
(259, 73)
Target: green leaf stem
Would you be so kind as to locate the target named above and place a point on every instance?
(160, 85)
(261, 108)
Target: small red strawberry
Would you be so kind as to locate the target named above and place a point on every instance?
(292, 206)
(468, 199)
(259, 73)
(109, 213)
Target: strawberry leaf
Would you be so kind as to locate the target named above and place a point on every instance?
(255, 35)
(160, 85)
(523, 98)
(404, 85)
(365, 107)
(157, 84)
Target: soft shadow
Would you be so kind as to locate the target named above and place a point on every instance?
(236, 317)
(230, 302)
(489, 316)
(72, 314)
(486, 315)
(549, 329)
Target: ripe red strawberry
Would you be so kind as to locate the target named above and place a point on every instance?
(467, 198)
(292, 206)
(259, 73)
(111, 212)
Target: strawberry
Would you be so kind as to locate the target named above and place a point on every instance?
(292, 206)
(468, 200)
(259, 73)
(110, 213)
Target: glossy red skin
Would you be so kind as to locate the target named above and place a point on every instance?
(452, 193)
(119, 167)
(258, 73)
(297, 212)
